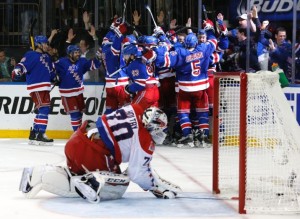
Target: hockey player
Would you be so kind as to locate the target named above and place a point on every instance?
(94, 153)
(70, 71)
(116, 96)
(140, 71)
(37, 66)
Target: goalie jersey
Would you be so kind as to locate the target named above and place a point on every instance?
(129, 142)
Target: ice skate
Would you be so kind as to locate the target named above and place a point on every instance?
(32, 137)
(42, 139)
(186, 142)
(201, 139)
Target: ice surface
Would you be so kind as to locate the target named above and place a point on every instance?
(189, 168)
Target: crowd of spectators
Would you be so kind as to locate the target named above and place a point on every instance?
(267, 44)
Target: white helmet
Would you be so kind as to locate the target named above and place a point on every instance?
(155, 121)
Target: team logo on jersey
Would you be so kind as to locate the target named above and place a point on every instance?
(135, 72)
(150, 69)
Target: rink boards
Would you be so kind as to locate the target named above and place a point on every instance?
(16, 109)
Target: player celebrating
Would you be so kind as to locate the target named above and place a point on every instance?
(116, 96)
(141, 74)
(191, 64)
(70, 71)
(37, 66)
(127, 135)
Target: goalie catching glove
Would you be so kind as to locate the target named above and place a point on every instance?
(100, 185)
(163, 188)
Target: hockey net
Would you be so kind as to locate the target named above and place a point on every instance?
(256, 143)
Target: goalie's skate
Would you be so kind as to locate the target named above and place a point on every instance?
(25, 186)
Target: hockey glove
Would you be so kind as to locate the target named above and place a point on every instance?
(121, 29)
(158, 31)
(163, 188)
(16, 74)
(149, 56)
(88, 187)
(116, 22)
(208, 25)
(222, 27)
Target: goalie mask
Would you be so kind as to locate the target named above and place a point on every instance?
(155, 121)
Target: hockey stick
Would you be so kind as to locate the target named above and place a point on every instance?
(31, 33)
(148, 8)
(124, 11)
(204, 12)
(179, 30)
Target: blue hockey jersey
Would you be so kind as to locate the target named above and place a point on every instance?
(39, 71)
(190, 65)
(71, 74)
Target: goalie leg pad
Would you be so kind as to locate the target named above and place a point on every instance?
(52, 179)
(31, 181)
(57, 181)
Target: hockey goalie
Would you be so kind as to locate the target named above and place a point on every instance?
(94, 153)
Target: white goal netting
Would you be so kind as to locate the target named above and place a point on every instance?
(272, 176)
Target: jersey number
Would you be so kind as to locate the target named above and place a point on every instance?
(195, 65)
(122, 130)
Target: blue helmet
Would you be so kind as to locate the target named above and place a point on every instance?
(72, 48)
(132, 38)
(150, 40)
(40, 39)
(190, 41)
(128, 40)
(201, 32)
(131, 49)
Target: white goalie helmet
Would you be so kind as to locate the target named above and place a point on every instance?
(155, 121)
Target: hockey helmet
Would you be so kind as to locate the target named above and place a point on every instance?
(201, 32)
(130, 49)
(129, 39)
(190, 41)
(72, 48)
(40, 39)
(155, 121)
(150, 40)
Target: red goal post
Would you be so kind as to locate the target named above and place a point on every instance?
(256, 143)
